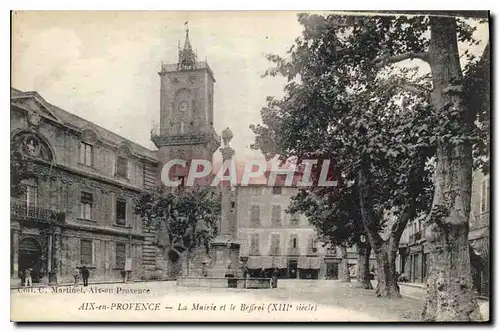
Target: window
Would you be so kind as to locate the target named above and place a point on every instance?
(256, 190)
(255, 215)
(31, 195)
(120, 254)
(294, 219)
(485, 188)
(311, 246)
(293, 248)
(276, 215)
(86, 252)
(277, 190)
(86, 206)
(254, 245)
(275, 245)
(121, 212)
(85, 154)
(122, 167)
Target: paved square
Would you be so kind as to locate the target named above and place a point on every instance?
(293, 300)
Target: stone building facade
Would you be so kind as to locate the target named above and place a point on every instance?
(271, 238)
(77, 208)
(413, 258)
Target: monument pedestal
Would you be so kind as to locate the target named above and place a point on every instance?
(224, 253)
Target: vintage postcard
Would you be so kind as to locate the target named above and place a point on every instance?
(245, 166)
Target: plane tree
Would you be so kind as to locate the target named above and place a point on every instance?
(336, 106)
(185, 220)
(357, 67)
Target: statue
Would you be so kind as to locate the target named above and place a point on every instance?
(227, 135)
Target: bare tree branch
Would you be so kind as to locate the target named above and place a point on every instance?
(386, 59)
(399, 226)
(405, 85)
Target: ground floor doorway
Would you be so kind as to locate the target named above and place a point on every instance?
(292, 269)
(332, 271)
(30, 256)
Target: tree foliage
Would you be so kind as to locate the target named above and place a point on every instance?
(386, 124)
(185, 219)
(337, 106)
(20, 169)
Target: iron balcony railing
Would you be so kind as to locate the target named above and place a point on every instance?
(22, 211)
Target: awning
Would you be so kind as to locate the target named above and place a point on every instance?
(303, 263)
(254, 262)
(279, 262)
(307, 263)
(333, 260)
(315, 262)
(266, 262)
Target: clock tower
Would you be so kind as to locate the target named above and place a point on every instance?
(186, 112)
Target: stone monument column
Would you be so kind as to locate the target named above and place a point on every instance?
(225, 249)
(57, 253)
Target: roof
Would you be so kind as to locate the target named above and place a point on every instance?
(72, 121)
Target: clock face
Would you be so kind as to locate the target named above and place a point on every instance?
(183, 106)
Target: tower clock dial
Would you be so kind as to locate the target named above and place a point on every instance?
(183, 106)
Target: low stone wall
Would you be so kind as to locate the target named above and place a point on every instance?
(213, 282)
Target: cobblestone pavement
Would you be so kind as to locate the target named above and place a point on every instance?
(293, 300)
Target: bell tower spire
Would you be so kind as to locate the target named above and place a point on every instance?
(186, 108)
(187, 57)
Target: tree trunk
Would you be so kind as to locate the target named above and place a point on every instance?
(450, 294)
(387, 283)
(344, 274)
(385, 251)
(363, 277)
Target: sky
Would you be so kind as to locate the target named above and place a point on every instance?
(103, 66)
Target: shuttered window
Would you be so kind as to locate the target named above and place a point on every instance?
(85, 154)
(276, 215)
(254, 216)
(485, 188)
(122, 167)
(86, 202)
(254, 245)
(120, 255)
(275, 245)
(86, 252)
(121, 212)
(293, 247)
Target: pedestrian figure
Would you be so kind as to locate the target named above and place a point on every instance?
(27, 277)
(76, 273)
(20, 274)
(85, 276)
(274, 282)
(262, 273)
